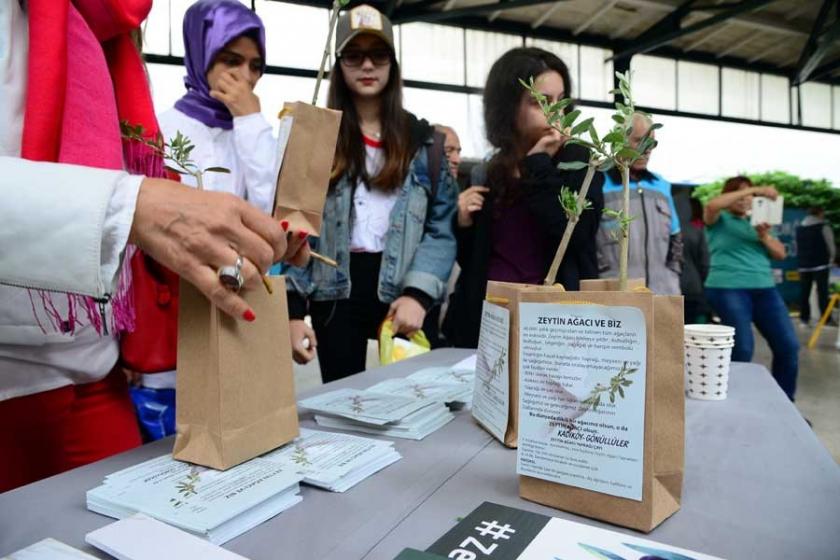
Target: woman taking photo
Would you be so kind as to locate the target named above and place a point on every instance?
(740, 286)
(510, 221)
(388, 214)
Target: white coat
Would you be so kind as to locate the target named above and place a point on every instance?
(248, 150)
(62, 228)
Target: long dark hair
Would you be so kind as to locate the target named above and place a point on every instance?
(350, 150)
(502, 96)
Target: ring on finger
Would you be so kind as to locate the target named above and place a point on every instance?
(231, 276)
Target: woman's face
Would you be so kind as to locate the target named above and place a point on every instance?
(241, 57)
(531, 123)
(366, 65)
(741, 206)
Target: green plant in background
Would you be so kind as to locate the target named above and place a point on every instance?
(798, 193)
(611, 150)
(175, 153)
(616, 387)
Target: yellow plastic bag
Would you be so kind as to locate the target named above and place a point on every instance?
(395, 349)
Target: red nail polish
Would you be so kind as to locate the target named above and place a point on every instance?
(302, 234)
(285, 225)
(249, 316)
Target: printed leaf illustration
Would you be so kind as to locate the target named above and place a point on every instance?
(300, 456)
(357, 404)
(616, 386)
(658, 553)
(186, 488)
(600, 552)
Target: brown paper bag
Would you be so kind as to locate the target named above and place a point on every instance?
(310, 135)
(235, 386)
(664, 426)
(508, 295)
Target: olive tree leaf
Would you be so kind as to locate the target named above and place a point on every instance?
(572, 165)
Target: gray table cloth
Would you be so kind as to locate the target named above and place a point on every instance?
(758, 485)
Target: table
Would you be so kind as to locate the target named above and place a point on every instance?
(758, 484)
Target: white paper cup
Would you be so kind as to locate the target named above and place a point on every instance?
(710, 329)
(719, 344)
(707, 372)
(709, 336)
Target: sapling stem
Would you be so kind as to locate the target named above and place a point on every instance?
(333, 18)
(624, 243)
(570, 226)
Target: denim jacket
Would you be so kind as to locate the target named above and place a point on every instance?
(419, 248)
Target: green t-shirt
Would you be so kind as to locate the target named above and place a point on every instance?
(738, 258)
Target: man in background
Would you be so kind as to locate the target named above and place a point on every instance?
(655, 238)
(431, 325)
(451, 148)
(816, 251)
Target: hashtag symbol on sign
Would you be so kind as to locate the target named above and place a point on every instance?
(495, 530)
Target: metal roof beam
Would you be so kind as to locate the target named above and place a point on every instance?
(767, 52)
(825, 70)
(759, 23)
(598, 14)
(411, 14)
(661, 38)
(545, 15)
(706, 38)
(735, 46)
(815, 47)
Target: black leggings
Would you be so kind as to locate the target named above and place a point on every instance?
(343, 327)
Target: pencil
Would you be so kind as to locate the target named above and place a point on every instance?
(267, 284)
(326, 260)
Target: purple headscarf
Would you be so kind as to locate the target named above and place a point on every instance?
(209, 25)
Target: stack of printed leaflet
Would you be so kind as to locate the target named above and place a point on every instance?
(334, 461)
(49, 549)
(452, 384)
(216, 505)
(380, 413)
(220, 505)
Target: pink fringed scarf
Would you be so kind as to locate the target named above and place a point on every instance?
(85, 76)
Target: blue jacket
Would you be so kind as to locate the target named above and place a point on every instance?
(655, 237)
(419, 248)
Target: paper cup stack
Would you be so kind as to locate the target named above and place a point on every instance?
(708, 351)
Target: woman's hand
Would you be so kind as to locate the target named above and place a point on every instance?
(775, 248)
(768, 192)
(298, 251)
(469, 202)
(236, 93)
(194, 233)
(763, 231)
(303, 341)
(407, 315)
(549, 144)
